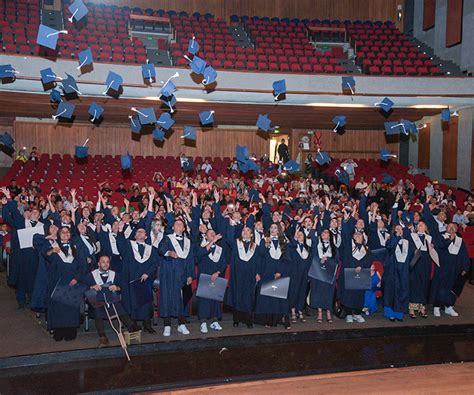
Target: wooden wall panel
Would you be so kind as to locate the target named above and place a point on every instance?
(50, 138)
(424, 138)
(429, 14)
(450, 149)
(454, 23)
(357, 144)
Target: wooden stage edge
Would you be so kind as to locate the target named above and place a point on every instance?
(428, 379)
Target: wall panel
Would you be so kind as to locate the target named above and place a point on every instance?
(429, 14)
(450, 149)
(454, 23)
(424, 136)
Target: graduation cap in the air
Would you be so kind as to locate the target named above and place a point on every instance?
(279, 90)
(291, 166)
(7, 140)
(7, 73)
(263, 122)
(392, 128)
(81, 151)
(193, 46)
(197, 64)
(168, 87)
(339, 122)
(135, 124)
(48, 37)
(387, 179)
(146, 116)
(385, 155)
(165, 121)
(348, 85)
(158, 134)
(69, 296)
(65, 110)
(385, 105)
(70, 87)
(206, 117)
(170, 101)
(241, 153)
(248, 165)
(445, 115)
(148, 73)
(55, 96)
(187, 164)
(342, 176)
(407, 217)
(95, 111)
(322, 158)
(113, 84)
(126, 162)
(210, 75)
(189, 132)
(78, 10)
(48, 78)
(86, 61)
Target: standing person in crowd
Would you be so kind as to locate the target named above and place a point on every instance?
(283, 152)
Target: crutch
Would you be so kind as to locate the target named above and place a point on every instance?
(119, 330)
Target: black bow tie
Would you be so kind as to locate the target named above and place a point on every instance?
(178, 237)
(33, 223)
(104, 273)
(65, 244)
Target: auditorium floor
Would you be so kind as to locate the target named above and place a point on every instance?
(23, 334)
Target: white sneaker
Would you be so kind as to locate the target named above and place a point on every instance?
(203, 328)
(167, 331)
(450, 311)
(436, 312)
(349, 319)
(358, 318)
(182, 329)
(215, 325)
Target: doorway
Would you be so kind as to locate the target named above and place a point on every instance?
(274, 141)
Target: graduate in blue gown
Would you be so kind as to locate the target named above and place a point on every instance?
(86, 247)
(370, 298)
(109, 245)
(211, 259)
(396, 275)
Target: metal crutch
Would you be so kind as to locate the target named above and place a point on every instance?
(119, 330)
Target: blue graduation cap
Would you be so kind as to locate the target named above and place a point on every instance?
(7, 140)
(81, 151)
(279, 88)
(187, 164)
(241, 153)
(165, 121)
(170, 101)
(445, 115)
(385, 155)
(65, 110)
(126, 162)
(55, 96)
(78, 10)
(322, 158)
(135, 124)
(95, 111)
(48, 76)
(291, 166)
(342, 176)
(113, 82)
(198, 65)
(386, 104)
(189, 132)
(70, 85)
(158, 134)
(148, 72)
(392, 128)
(248, 165)
(206, 117)
(48, 37)
(263, 122)
(348, 83)
(85, 58)
(210, 75)
(193, 46)
(146, 116)
(7, 72)
(168, 87)
(407, 217)
(340, 121)
(387, 179)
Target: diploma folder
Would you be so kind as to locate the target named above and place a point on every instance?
(70, 296)
(102, 297)
(276, 288)
(141, 293)
(325, 272)
(208, 289)
(357, 281)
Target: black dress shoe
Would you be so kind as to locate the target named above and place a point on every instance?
(392, 319)
(149, 330)
(236, 324)
(249, 325)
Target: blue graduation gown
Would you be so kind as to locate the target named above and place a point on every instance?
(299, 276)
(39, 299)
(322, 293)
(106, 249)
(420, 277)
(173, 275)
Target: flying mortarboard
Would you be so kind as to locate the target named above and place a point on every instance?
(407, 217)
(48, 37)
(146, 116)
(322, 158)
(126, 162)
(158, 134)
(193, 46)
(342, 176)
(81, 151)
(248, 165)
(7, 73)
(149, 72)
(348, 84)
(241, 153)
(386, 104)
(170, 101)
(65, 110)
(210, 75)
(187, 164)
(78, 10)
(95, 111)
(392, 128)
(7, 140)
(263, 122)
(385, 155)
(291, 166)
(339, 121)
(445, 115)
(55, 96)
(168, 87)
(206, 117)
(114, 83)
(70, 86)
(279, 90)
(165, 121)
(189, 133)
(135, 124)
(387, 179)
(85, 61)
(48, 77)
(197, 64)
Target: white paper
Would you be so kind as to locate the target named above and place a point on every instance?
(25, 236)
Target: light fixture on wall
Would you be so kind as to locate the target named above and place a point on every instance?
(399, 12)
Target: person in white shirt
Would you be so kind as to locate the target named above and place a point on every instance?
(361, 184)
(206, 167)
